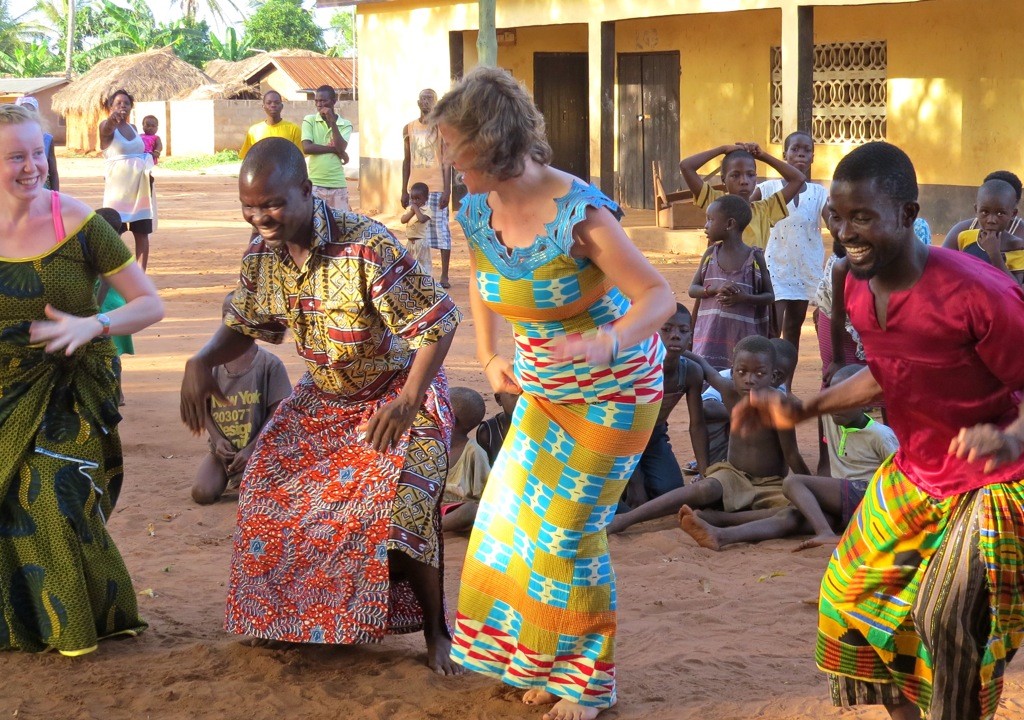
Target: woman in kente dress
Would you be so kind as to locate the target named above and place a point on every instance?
(63, 584)
(537, 603)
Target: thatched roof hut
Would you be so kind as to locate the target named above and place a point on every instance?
(226, 72)
(222, 91)
(154, 75)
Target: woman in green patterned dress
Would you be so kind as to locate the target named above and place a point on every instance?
(63, 584)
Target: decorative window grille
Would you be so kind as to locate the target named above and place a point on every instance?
(849, 93)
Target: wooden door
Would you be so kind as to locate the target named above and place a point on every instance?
(562, 92)
(648, 124)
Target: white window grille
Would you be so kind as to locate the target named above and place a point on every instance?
(850, 93)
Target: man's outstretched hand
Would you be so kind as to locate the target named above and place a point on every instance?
(763, 409)
(986, 442)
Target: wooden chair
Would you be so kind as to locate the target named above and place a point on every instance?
(675, 210)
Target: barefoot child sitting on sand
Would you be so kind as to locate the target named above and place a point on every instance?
(658, 471)
(857, 446)
(468, 464)
(252, 386)
(716, 415)
(751, 478)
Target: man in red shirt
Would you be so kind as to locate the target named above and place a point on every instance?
(921, 605)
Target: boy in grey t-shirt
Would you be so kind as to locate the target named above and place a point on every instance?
(254, 385)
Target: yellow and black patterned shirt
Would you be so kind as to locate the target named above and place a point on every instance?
(359, 307)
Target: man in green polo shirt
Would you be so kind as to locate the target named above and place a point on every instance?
(325, 136)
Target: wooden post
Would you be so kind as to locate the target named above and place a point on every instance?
(455, 55)
(487, 38)
(607, 51)
(805, 68)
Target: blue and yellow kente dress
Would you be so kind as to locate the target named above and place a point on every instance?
(537, 603)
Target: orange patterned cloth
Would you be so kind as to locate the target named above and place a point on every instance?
(319, 509)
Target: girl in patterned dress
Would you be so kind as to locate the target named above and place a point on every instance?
(537, 604)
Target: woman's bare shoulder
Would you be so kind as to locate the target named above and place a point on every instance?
(73, 211)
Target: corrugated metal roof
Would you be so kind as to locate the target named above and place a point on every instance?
(309, 73)
(27, 86)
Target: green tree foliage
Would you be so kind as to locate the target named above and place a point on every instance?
(343, 25)
(129, 30)
(194, 44)
(279, 24)
(30, 60)
(16, 30)
(230, 48)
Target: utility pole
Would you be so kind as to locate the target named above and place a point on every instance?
(487, 38)
(71, 39)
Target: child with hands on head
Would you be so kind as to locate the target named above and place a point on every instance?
(739, 174)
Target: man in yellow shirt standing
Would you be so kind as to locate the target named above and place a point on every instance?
(325, 137)
(273, 126)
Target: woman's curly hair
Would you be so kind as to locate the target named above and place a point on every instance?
(497, 119)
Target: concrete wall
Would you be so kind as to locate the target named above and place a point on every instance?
(404, 47)
(199, 127)
(518, 58)
(956, 92)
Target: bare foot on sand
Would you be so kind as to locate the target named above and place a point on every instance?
(566, 710)
(817, 541)
(539, 697)
(706, 535)
(439, 656)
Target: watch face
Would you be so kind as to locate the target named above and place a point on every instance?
(104, 321)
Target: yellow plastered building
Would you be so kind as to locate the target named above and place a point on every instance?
(624, 84)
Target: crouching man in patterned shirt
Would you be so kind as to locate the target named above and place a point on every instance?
(338, 537)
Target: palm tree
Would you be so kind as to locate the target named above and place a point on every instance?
(191, 7)
(130, 30)
(231, 48)
(15, 29)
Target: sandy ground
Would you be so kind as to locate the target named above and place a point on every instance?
(703, 635)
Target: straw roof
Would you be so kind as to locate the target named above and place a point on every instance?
(237, 72)
(154, 75)
(222, 91)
